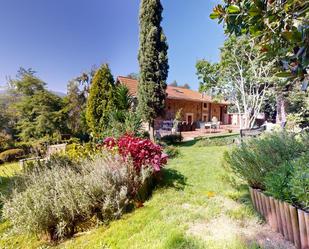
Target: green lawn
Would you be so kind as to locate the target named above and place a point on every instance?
(195, 207)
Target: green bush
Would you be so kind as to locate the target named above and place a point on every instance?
(79, 151)
(299, 182)
(277, 182)
(56, 200)
(220, 141)
(256, 157)
(11, 155)
(60, 160)
(172, 151)
(172, 139)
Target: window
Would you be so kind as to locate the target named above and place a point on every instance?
(205, 118)
(205, 106)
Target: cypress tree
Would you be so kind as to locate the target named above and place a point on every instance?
(100, 101)
(153, 62)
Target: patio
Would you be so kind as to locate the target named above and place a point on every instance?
(198, 132)
(223, 129)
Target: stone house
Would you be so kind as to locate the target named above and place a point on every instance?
(195, 105)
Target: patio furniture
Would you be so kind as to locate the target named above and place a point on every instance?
(208, 125)
(202, 125)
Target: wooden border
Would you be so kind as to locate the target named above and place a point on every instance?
(291, 222)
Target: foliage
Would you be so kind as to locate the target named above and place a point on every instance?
(39, 112)
(280, 28)
(78, 151)
(100, 101)
(153, 61)
(242, 76)
(298, 107)
(6, 141)
(143, 152)
(277, 182)
(172, 151)
(56, 200)
(220, 141)
(256, 157)
(299, 182)
(11, 155)
(172, 139)
(123, 119)
(75, 105)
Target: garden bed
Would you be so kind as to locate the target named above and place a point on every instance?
(291, 222)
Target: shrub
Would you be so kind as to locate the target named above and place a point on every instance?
(220, 141)
(256, 157)
(172, 151)
(143, 152)
(277, 182)
(60, 160)
(78, 151)
(11, 155)
(6, 141)
(299, 182)
(172, 139)
(55, 200)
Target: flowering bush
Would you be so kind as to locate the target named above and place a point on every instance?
(143, 152)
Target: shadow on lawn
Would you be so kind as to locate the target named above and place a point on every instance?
(172, 179)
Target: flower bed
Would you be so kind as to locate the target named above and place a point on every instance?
(291, 222)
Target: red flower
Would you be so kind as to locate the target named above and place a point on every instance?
(143, 152)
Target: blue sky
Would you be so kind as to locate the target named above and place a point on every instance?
(62, 38)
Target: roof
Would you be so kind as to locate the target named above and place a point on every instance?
(172, 91)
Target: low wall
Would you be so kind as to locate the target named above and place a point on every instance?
(291, 222)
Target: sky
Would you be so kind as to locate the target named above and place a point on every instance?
(60, 39)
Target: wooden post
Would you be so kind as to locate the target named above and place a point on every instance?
(283, 219)
(304, 241)
(307, 224)
(279, 221)
(295, 226)
(265, 211)
(268, 211)
(258, 193)
(273, 214)
(288, 222)
(252, 198)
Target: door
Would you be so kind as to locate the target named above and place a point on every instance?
(189, 119)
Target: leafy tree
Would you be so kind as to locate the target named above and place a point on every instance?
(242, 77)
(123, 119)
(298, 108)
(101, 100)
(39, 113)
(153, 62)
(75, 106)
(280, 28)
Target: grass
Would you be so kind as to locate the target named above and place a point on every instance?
(190, 209)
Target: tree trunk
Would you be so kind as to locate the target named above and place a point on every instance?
(281, 112)
(151, 131)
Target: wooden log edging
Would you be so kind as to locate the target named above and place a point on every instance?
(291, 222)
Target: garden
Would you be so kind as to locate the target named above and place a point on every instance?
(116, 184)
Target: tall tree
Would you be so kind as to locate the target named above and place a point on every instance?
(242, 77)
(101, 100)
(39, 112)
(280, 28)
(75, 101)
(153, 62)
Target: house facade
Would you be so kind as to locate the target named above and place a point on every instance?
(195, 106)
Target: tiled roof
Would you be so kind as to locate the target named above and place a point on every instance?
(172, 92)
